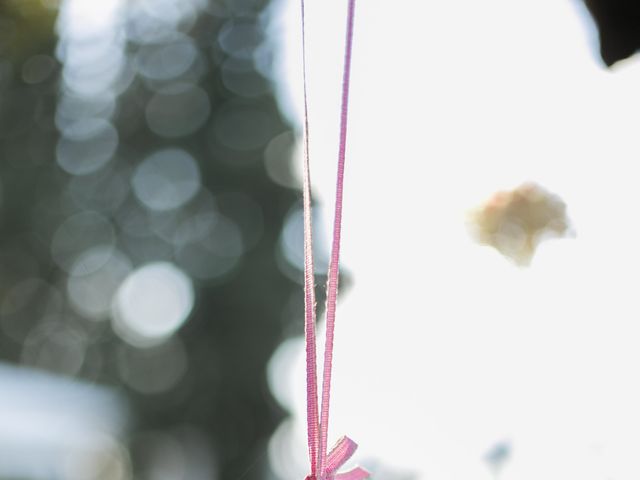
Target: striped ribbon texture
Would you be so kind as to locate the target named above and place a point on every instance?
(325, 466)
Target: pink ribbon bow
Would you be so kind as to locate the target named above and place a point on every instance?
(341, 452)
(325, 466)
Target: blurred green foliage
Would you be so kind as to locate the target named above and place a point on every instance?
(66, 187)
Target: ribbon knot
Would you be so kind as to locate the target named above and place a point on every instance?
(339, 455)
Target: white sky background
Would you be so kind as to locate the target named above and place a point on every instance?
(443, 348)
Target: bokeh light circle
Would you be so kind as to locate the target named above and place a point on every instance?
(72, 108)
(152, 303)
(166, 60)
(209, 246)
(240, 76)
(91, 294)
(86, 146)
(240, 38)
(55, 346)
(166, 180)
(78, 233)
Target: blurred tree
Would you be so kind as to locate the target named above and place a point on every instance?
(106, 163)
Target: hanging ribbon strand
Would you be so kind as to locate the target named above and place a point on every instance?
(325, 466)
(309, 283)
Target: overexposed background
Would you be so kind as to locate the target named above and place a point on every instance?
(444, 349)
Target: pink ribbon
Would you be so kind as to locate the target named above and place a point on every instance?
(325, 466)
(340, 453)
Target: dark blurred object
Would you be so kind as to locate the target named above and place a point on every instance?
(618, 23)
